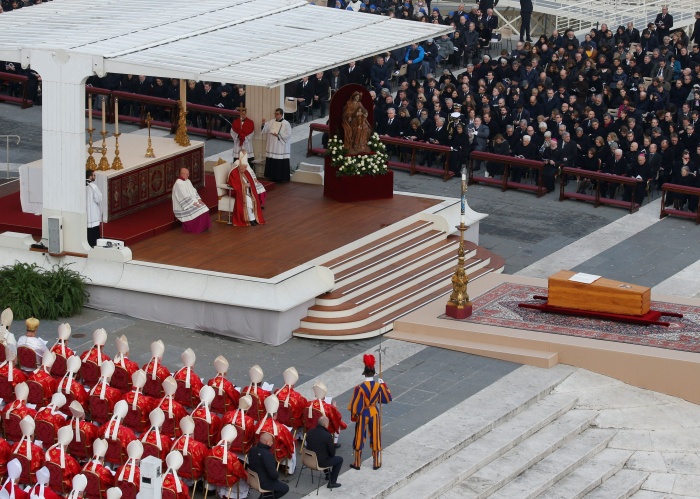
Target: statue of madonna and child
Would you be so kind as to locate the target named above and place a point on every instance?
(356, 128)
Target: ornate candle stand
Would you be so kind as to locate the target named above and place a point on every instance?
(181, 134)
(459, 306)
(149, 149)
(104, 163)
(117, 163)
(90, 164)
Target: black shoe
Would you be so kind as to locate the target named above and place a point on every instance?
(376, 467)
(337, 446)
(333, 485)
(253, 223)
(528, 40)
(354, 467)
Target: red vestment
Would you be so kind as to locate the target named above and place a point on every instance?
(257, 410)
(91, 373)
(214, 426)
(62, 350)
(154, 385)
(48, 493)
(129, 368)
(5, 451)
(284, 441)
(234, 468)
(165, 443)
(137, 419)
(335, 419)
(297, 404)
(245, 437)
(243, 129)
(97, 402)
(169, 483)
(48, 384)
(195, 385)
(75, 390)
(70, 469)
(89, 431)
(37, 460)
(19, 493)
(125, 469)
(226, 394)
(107, 480)
(197, 450)
(240, 207)
(124, 437)
(171, 426)
(18, 408)
(17, 377)
(56, 419)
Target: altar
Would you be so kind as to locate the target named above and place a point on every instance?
(143, 182)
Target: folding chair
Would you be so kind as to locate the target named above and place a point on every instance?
(309, 460)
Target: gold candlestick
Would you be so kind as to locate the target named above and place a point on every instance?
(181, 134)
(117, 163)
(459, 306)
(90, 164)
(104, 163)
(149, 150)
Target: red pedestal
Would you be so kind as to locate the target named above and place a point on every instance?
(456, 312)
(349, 189)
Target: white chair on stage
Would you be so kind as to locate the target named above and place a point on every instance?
(223, 191)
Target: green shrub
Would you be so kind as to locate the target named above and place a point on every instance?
(31, 291)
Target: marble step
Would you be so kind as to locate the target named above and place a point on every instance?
(441, 478)
(620, 486)
(507, 467)
(450, 432)
(543, 475)
(589, 475)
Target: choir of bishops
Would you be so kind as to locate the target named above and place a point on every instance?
(78, 425)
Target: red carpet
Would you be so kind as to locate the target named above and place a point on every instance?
(499, 307)
(130, 229)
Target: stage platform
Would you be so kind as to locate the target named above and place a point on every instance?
(301, 226)
(258, 283)
(651, 357)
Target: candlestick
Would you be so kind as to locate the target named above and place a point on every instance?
(181, 134)
(90, 163)
(459, 306)
(116, 116)
(149, 149)
(104, 117)
(117, 163)
(104, 163)
(90, 112)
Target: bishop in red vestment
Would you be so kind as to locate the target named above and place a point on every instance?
(247, 209)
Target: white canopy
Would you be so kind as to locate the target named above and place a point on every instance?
(253, 42)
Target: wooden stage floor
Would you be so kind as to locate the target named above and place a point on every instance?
(301, 225)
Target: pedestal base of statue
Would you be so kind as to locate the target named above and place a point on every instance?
(452, 310)
(350, 189)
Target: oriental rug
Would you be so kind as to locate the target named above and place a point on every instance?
(499, 307)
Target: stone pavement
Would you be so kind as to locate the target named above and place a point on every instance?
(536, 237)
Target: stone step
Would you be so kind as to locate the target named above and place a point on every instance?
(589, 475)
(504, 469)
(620, 486)
(444, 476)
(543, 475)
(380, 244)
(450, 432)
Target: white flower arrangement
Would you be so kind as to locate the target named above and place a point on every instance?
(359, 165)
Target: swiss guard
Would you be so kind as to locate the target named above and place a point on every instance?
(365, 411)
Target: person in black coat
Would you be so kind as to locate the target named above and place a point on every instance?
(664, 23)
(696, 30)
(526, 9)
(460, 148)
(262, 462)
(305, 97)
(320, 441)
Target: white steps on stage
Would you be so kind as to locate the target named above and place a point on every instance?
(388, 278)
(513, 440)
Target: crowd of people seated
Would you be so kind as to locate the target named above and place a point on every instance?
(68, 414)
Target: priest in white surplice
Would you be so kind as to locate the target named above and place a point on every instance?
(278, 151)
(188, 206)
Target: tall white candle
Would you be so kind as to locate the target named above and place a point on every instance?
(90, 111)
(464, 177)
(104, 117)
(462, 219)
(116, 115)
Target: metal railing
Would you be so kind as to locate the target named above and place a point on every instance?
(7, 152)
